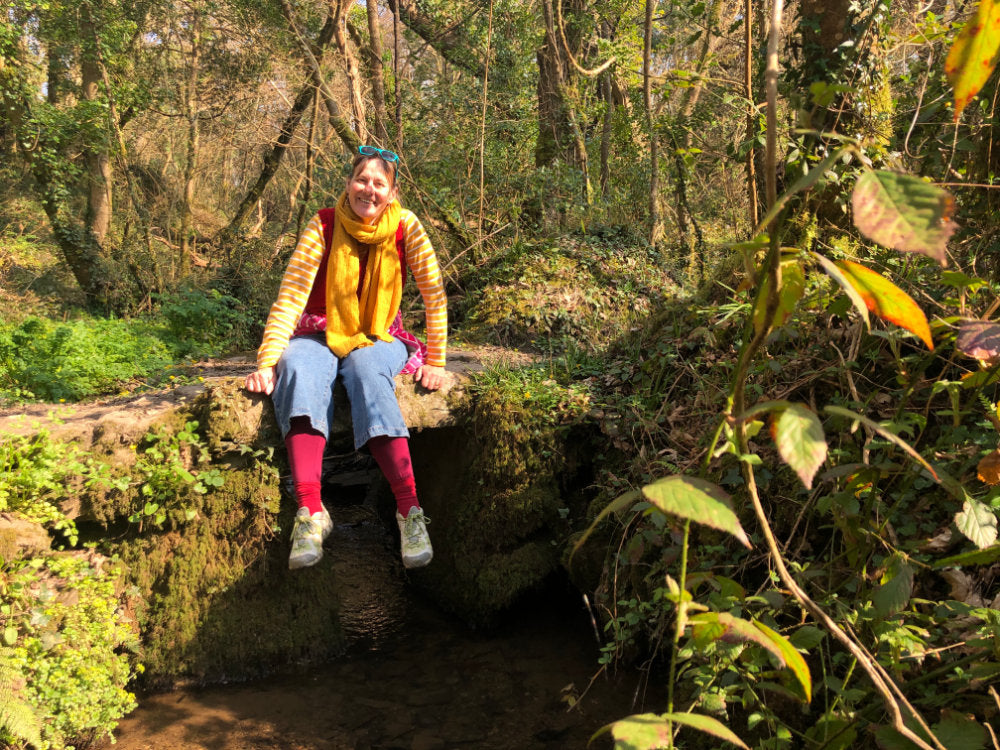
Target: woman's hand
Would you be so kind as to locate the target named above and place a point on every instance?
(430, 377)
(261, 381)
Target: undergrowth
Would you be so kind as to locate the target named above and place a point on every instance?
(46, 360)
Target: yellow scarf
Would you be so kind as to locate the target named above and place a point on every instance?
(351, 321)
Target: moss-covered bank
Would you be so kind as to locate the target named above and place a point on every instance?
(192, 507)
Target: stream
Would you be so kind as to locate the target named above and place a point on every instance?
(412, 678)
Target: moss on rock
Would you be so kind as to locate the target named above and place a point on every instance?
(503, 493)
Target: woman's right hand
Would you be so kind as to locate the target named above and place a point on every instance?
(261, 381)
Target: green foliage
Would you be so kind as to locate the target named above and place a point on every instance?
(168, 489)
(36, 473)
(18, 719)
(68, 639)
(205, 322)
(69, 361)
(50, 361)
(584, 289)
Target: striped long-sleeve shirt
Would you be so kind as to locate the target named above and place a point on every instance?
(301, 274)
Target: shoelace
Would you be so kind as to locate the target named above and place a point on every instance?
(309, 525)
(411, 528)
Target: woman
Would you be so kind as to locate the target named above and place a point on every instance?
(337, 313)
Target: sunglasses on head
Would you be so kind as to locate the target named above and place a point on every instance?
(380, 152)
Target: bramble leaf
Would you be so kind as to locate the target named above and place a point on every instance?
(979, 339)
(978, 523)
(904, 213)
(639, 732)
(801, 443)
(973, 54)
(708, 725)
(697, 500)
(651, 731)
(793, 286)
(896, 587)
(887, 300)
(738, 629)
(837, 275)
(791, 657)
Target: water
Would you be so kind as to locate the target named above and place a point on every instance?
(412, 679)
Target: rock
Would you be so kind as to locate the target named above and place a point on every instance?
(21, 538)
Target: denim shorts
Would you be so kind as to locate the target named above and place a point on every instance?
(304, 386)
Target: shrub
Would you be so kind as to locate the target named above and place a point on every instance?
(204, 322)
(43, 360)
(63, 620)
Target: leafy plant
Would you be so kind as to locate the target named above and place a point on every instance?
(162, 472)
(70, 361)
(34, 474)
(205, 322)
(66, 636)
(903, 213)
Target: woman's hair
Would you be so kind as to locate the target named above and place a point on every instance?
(390, 167)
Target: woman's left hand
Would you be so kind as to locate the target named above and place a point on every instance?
(430, 377)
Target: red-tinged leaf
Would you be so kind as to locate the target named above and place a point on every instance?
(887, 300)
(801, 443)
(793, 286)
(979, 339)
(837, 275)
(696, 500)
(904, 213)
(988, 470)
(738, 629)
(973, 54)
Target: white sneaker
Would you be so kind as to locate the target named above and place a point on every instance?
(415, 544)
(308, 534)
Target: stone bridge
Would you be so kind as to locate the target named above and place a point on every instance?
(213, 598)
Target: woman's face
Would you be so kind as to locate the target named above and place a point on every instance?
(370, 190)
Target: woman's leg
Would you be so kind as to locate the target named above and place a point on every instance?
(393, 457)
(303, 405)
(305, 447)
(369, 377)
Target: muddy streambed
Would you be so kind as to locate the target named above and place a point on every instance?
(412, 678)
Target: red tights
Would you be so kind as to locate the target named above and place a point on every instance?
(305, 447)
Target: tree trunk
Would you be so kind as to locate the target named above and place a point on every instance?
(190, 99)
(337, 122)
(449, 41)
(396, 33)
(559, 133)
(606, 130)
(96, 157)
(655, 227)
(751, 121)
(691, 94)
(377, 73)
(353, 77)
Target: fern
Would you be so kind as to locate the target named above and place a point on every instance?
(17, 716)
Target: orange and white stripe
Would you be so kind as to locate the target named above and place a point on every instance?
(293, 294)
